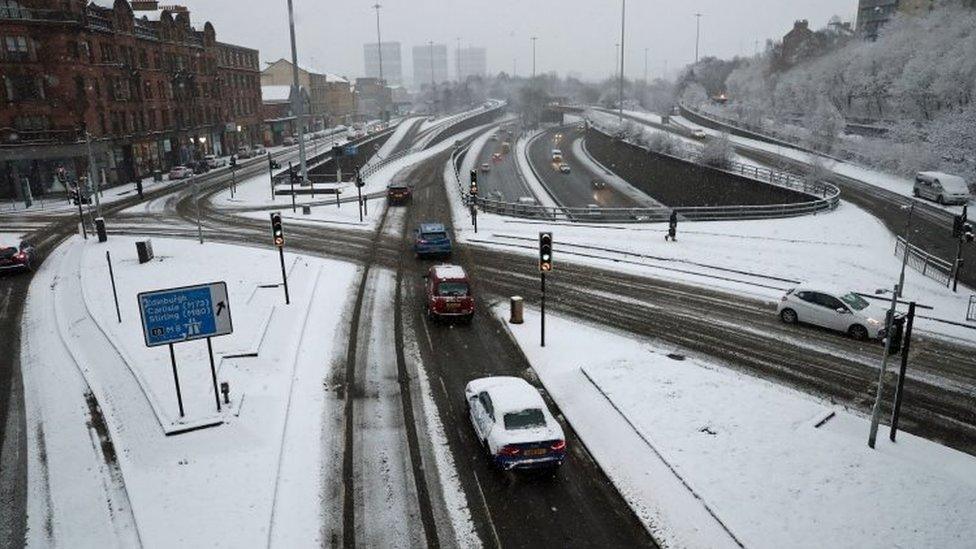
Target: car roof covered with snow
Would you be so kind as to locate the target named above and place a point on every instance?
(509, 394)
(948, 181)
(449, 272)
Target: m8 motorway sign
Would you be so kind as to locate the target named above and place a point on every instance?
(183, 314)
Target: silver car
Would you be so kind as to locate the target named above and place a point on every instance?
(941, 187)
(843, 311)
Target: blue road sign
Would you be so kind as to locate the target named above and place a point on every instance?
(350, 150)
(183, 314)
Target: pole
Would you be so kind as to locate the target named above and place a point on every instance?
(430, 46)
(81, 213)
(176, 379)
(92, 174)
(338, 179)
(623, 20)
(291, 172)
(284, 274)
(956, 267)
(379, 39)
(697, 34)
(115, 294)
(645, 66)
(908, 249)
(896, 411)
(534, 38)
(271, 176)
(213, 373)
(458, 59)
(876, 410)
(233, 181)
(297, 105)
(542, 278)
(196, 200)
(359, 191)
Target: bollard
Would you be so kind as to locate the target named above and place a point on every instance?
(306, 210)
(516, 310)
(100, 229)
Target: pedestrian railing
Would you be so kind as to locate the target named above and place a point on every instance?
(929, 265)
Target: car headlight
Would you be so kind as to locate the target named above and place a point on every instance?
(873, 321)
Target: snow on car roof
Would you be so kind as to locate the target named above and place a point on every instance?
(511, 394)
(948, 180)
(448, 272)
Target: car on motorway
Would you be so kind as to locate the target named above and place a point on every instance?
(431, 239)
(17, 258)
(557, 155)
(513, 423)
(497, 157)
(598, 184)
(180, 172)
(941, 187)
(486, 167)
(698, 133)
(506, 147)
(448, 293)
(564, 168)
(839, 310)
(398, 193)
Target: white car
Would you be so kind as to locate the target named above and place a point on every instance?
(698, 133)
(513, 423)
(839, 310)
(214, 161)
(941, 187)
(179, 172)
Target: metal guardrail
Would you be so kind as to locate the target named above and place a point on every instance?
(929, 265)
(971, 313)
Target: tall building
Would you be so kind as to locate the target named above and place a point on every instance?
(330, 96)
(873, 14)
(428, 59)
(148, 89)
(392, 64)
(472, 62)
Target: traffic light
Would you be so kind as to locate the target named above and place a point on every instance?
(277, 233)
(474, 183)
(545, 252)
(897, 326)
(967, 232)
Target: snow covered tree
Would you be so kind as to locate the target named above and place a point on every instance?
(717, 152)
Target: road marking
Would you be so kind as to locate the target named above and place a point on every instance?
(484, 501)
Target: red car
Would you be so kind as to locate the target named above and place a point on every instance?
(17, 259)
(448, 293)
(398, 193)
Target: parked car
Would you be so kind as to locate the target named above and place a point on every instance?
(486, 167)
(941, 187)
(259, 150)
(398, 193)
(564, 168)
(180, 172)
(448, 293)
(201, 166)
(840, 310)
(431, 239)
(19, 258)
(244, 152)
(513, 423)
(214, 161)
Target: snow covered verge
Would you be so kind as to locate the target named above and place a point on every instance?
(708, 457)
(102, 470)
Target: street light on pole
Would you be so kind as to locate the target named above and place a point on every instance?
(458, 59)
(534, 38)
(379, 39)
(645, 65)
(296, 95)
(698, 17)
(623, 21)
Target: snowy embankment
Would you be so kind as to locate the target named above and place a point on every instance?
(845, 248)
(708, 457)
(255, 476)
(528, 174)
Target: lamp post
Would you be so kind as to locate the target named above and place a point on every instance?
(698, 17)
(623, 21)
(296, 101)
(534, 38)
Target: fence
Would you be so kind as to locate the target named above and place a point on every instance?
(929, 265)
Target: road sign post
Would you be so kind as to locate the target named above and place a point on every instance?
(187, 313)
(115, 294)
(278, 236)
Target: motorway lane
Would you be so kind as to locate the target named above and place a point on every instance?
(503, 181)
(575, 189)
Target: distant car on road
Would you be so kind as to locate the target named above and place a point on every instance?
(698, 133)
(839, 310)
(214, 161)
(598, 184)
(564, 168)
(448, 293)
(486, 167)
(513, 423)
(431, 239)
(288, 141)
(398, 193)
(497, 157)
(180, 172)
(259, 150)
(941, 187)
(200, 167)
(244, 152)
(19, 258)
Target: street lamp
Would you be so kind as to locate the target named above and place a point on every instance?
(698, 17)
(297, 106)
(379, 40)
(623, 20)
(534, 38)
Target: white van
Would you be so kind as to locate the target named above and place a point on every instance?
(941, 187)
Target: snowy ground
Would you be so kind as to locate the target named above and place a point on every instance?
(244, 482)
(707, 456)
(762, 258)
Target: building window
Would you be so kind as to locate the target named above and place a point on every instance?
(24, 88)
(11, 9)
(120, 89)
(16, 48)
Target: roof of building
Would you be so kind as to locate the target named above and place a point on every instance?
(275, 93)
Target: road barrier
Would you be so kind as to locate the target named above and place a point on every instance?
(929, 265)
(823, 197)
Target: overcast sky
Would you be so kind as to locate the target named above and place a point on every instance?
(574, 35)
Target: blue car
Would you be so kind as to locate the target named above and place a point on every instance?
(431, 240)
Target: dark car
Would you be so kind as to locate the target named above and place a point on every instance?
(20, 258)
(398, 193)
(448, 293)
(431, 240)
(200, 167)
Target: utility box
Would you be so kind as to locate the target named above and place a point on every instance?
(516, 314)
(144, 250)
(306, 210)
(157, 176)
(100, 229)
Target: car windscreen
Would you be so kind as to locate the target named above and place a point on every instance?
(7, 253)
(434, 236)
(398, 187)
(526, 419)
(855, 301)
(452, 289)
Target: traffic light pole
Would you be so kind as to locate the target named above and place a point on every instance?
(284, 274)
(291, 179)
(81, 213)
(896, 410)
(542, 334)
(957, 266)
(876, 410)
(271, 176)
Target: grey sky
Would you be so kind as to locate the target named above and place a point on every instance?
(574, 35)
